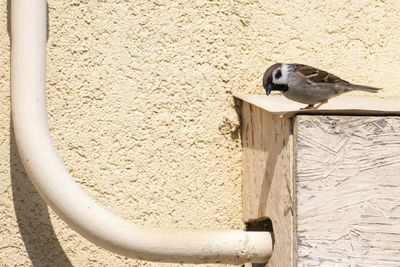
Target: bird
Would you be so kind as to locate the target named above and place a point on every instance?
(308, 85)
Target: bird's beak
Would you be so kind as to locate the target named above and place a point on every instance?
(268, 89)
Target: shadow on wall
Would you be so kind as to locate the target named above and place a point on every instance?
(33, 216)
(31, 210)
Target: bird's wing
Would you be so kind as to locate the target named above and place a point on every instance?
(313, 75)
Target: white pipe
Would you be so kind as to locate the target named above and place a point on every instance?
(58, 189)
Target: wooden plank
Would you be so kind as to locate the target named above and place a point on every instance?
(341, 105)
(268, 177)
(348, 190)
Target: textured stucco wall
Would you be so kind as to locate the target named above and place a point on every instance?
(141, 112)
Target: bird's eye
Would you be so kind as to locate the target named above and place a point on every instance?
(278, 74)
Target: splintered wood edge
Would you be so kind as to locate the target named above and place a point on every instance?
(341, 105)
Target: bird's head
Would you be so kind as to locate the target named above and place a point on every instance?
(276, 78)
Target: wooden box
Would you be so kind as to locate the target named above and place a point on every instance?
(328, 180)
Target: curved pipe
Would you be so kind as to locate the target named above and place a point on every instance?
(58, 189)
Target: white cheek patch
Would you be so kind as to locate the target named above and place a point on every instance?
(284, 78)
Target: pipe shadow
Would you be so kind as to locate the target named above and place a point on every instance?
(32, 215)
(31, 210)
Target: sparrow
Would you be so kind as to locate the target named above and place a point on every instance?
(307, 85)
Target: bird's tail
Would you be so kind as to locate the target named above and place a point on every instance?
(364, 88)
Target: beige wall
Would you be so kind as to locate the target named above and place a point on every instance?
(141, 112)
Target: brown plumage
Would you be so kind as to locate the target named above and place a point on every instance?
(308, 85)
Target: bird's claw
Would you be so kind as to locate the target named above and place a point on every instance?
(309, 107)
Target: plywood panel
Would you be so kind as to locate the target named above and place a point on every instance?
(268, 178)
(348, 190)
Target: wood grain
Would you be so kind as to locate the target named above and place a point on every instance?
(342, 105)
(268, 177)
(348, 190)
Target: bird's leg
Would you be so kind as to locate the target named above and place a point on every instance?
(310, 106)
(320, 104)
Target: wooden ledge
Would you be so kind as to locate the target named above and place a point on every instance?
(341, 105)
(328, 183)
